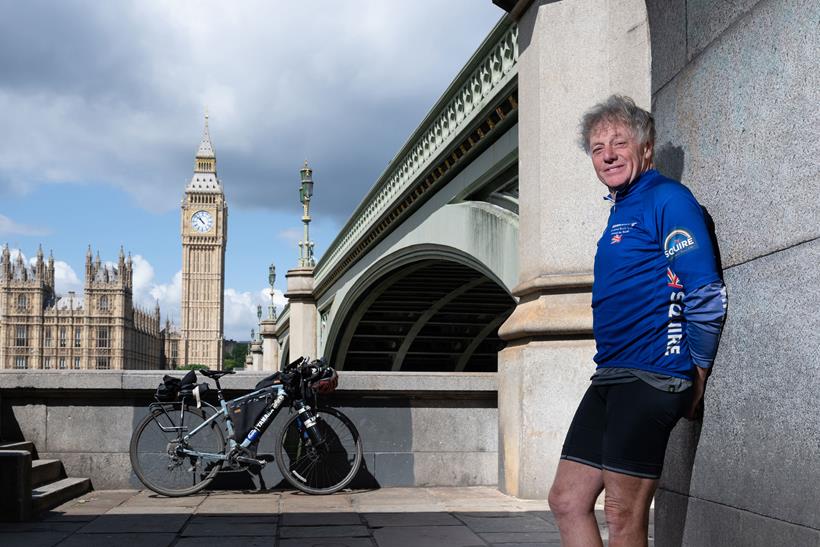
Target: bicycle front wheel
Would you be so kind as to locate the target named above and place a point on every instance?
(158, 450)
(322, 469)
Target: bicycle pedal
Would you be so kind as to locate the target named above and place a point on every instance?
(250, 461)
(266, 457)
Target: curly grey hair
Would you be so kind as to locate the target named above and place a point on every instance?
(617, 109)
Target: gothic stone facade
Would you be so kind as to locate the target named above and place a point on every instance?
(40, 330)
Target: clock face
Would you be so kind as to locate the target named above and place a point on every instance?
(201, 221)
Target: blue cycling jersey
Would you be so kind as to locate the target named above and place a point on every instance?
(655, 246)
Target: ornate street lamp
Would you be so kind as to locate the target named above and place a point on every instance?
(305, 193)
(259, 322)
(271, 282)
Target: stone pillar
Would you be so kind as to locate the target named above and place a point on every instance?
(270, 345)
(573, 54)
(255, 351)
(302, 313)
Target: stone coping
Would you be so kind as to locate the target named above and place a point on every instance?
(352, 381)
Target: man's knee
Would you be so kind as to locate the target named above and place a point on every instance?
(568, 501)
(626, 511)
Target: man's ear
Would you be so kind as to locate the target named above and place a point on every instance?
(648, 152)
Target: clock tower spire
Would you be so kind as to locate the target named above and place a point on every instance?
(204, 231)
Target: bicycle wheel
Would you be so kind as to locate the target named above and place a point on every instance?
(156, 450)
(322, 469)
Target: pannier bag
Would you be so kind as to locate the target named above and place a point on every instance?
(170, 387)
(327, 382)
(244, 413)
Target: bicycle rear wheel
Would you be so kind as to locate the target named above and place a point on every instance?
(156, 450)
(320, 469)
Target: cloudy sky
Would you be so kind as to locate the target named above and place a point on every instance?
(102, 107)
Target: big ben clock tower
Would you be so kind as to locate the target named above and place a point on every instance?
(204, 235)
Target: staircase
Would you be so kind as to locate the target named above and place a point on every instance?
(34, 485)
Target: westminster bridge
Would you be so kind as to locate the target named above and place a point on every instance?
(456, 299)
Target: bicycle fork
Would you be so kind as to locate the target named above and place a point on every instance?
(307, 422)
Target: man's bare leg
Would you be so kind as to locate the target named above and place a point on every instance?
(626, 506)
(572, 501)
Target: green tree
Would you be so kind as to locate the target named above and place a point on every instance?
(236, 358)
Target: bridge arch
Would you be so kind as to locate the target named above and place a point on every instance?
(423, 308)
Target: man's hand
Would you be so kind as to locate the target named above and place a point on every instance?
(695, 410)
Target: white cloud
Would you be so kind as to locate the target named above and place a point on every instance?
(241, 310)
(114, 92)
(8, 227)
(66, 279)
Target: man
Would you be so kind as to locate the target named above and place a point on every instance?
(658, 305)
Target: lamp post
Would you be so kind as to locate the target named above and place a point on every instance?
(305, 193)
(271, 282)
(259, 321)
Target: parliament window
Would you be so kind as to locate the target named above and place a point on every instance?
(61, 363)
(103, 340)
(78, 335)
(22, 336)
(62, 337)
(22, 302)
(46, 362)
(103, 363)
(77, 362)
(104, 302)
(21, 361)
(47, 338)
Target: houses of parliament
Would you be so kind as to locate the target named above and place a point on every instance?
(103, 329)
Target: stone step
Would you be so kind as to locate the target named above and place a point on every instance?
(21, 445)
(45, 471)
(56, 493)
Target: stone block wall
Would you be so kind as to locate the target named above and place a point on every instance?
(418, 429)
(735, 94)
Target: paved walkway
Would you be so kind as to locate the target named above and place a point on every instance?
(389, 517)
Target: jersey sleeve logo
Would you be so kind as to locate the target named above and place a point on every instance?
(616, 239)
(678, 241)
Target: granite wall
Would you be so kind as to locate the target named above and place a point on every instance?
(735, 90)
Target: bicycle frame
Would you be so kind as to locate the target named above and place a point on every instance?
(270, 413)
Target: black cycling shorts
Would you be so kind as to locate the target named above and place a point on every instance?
(624, 427)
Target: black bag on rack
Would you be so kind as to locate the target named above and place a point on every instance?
(171, 386)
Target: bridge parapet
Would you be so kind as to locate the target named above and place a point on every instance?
(433, 148)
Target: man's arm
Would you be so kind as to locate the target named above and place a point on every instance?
(705, 311)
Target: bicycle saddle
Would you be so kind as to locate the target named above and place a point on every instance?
(215, 374)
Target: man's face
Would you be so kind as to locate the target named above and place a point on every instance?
(617, 156)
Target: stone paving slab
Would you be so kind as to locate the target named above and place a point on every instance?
(134, 524)
(118, 539)
(324, 519)
(428, 536)
(221, 526)
(499, 538)
(217, 505)
(292, 502)
(32, 539)
(229, 541)
(94, 503)
(69, 527)
(506, 523)
(379, 520)
(324, 531)
(323, 542)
